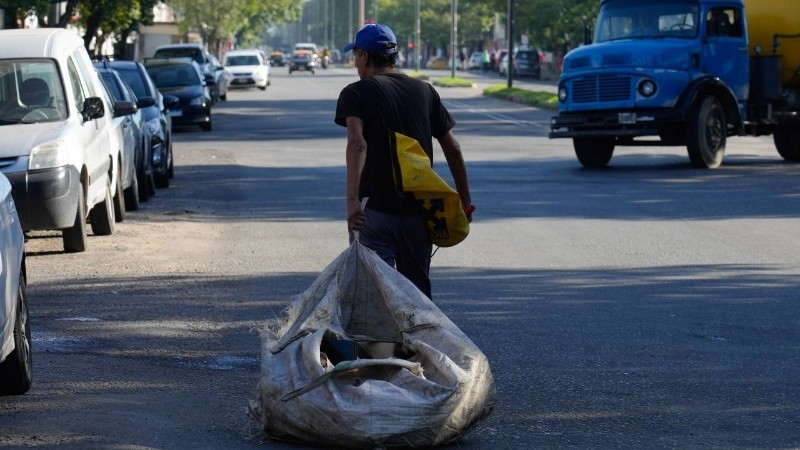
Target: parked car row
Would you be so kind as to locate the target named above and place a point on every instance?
(80, 145)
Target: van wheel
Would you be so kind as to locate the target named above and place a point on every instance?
(593, 152)
(788, 145)
(119, 200)
(74, 237)
(706, 134)
(17, 370)
(102, 215)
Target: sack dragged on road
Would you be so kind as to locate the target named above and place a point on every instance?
(364, 359)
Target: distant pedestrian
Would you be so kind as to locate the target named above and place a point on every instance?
(485, 59)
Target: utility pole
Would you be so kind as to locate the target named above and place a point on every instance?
(417, 35)
(510, 54)
(454, 40)
(360, 14)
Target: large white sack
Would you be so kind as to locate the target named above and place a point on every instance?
(389, 403)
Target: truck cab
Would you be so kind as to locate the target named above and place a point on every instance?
(679, 70)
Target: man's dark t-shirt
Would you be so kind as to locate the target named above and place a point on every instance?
(403, 104)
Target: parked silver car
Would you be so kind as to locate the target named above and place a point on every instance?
(16, 367)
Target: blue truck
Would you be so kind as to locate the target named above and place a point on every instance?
(683, 73)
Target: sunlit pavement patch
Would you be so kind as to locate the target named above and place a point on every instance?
(45, 341)
(80, 319)
(223, 362)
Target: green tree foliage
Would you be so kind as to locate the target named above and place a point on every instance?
(549, 24)
(103, 19)
(218, 20)
(19, 9)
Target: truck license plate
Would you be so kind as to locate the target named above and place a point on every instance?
(626, 117)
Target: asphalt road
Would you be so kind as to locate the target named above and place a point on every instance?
(648, 305)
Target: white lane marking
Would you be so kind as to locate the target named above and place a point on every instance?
(501, 118)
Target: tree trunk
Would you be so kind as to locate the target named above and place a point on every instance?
(68, 12)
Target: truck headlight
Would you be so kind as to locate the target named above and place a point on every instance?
(647, 88)
(47, 155)
(562, 93)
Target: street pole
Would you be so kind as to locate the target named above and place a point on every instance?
(417, 35)
(454, 40)
(360, 14)
(510, 40)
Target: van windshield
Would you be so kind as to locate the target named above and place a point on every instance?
(31, 92)
(633, 19)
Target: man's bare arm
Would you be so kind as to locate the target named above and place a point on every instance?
(455, 161)
(356, 156)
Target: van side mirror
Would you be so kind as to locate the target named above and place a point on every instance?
(93, 108)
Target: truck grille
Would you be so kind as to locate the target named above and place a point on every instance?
(601, 88)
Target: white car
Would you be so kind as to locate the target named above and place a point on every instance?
(55, 135)
(16, 367)
(248, 68)
(475, 61)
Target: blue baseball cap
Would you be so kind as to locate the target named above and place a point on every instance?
(374, 38)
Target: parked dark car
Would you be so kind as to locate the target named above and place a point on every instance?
(130, 129)
(303, 60)
(210, 66)
(527, 64)
(158, 166)
(182, 78)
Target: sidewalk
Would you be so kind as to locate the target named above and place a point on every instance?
(485, 79)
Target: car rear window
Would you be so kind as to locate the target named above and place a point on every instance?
(193, 53)
(173, 75)
(134, 80)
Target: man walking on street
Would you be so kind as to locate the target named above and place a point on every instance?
(383, 101)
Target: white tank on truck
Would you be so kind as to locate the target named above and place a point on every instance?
(690, 72)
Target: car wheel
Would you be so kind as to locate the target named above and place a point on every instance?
(102, 215)
(171, 166)
(151, 185)
(132, 194)
(141, 184)
(17, 370)
(119, 200)
(206, 126)
(74, 237)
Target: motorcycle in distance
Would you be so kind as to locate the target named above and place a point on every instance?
(325, 58)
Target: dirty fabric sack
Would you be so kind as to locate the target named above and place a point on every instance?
(364, 359)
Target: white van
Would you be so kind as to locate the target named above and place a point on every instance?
(55, 142)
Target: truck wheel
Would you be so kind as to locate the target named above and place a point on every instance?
(593, 152)
(788, 144)
(706, 134)
(74, 237)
